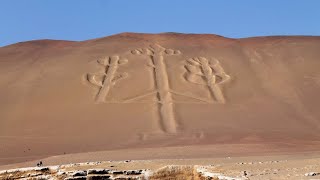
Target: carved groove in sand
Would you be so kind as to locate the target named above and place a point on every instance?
(204, 72)
(165, 102)
(108, 78)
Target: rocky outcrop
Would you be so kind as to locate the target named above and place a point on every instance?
(80, 171)
(312, 174)
(77, 173)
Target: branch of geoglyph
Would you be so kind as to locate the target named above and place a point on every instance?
(111, 65)
(200, 66)
(218, 71)
(211, 72)
(154, 48)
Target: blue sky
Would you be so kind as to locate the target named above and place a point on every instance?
(22, 20)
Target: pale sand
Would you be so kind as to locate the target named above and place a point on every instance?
(216, 95)
(290, 166)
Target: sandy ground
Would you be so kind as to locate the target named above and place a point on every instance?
(194, 152)
(158, 96)
(293, 166)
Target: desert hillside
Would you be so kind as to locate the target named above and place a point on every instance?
(158, 90)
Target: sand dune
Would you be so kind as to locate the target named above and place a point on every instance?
(158, 90)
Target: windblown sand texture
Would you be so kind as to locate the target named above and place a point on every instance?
(159, 90)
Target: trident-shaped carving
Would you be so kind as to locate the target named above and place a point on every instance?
(109, 77)
(157, 53)
(199, 70)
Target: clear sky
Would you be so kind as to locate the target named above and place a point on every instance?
(22, 20)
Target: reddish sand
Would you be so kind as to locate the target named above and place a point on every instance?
(165, 90)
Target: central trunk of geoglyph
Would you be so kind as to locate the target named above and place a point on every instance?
(166, 113)
(168, 122)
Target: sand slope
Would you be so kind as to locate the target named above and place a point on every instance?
(142, 90)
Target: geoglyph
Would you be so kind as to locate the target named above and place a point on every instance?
(199, 70)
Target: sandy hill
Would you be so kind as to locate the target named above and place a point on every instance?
(158, 90)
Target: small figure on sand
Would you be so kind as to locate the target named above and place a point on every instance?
(245, 173)
(39, 164)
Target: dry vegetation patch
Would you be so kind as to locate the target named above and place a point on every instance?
(179, 173)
